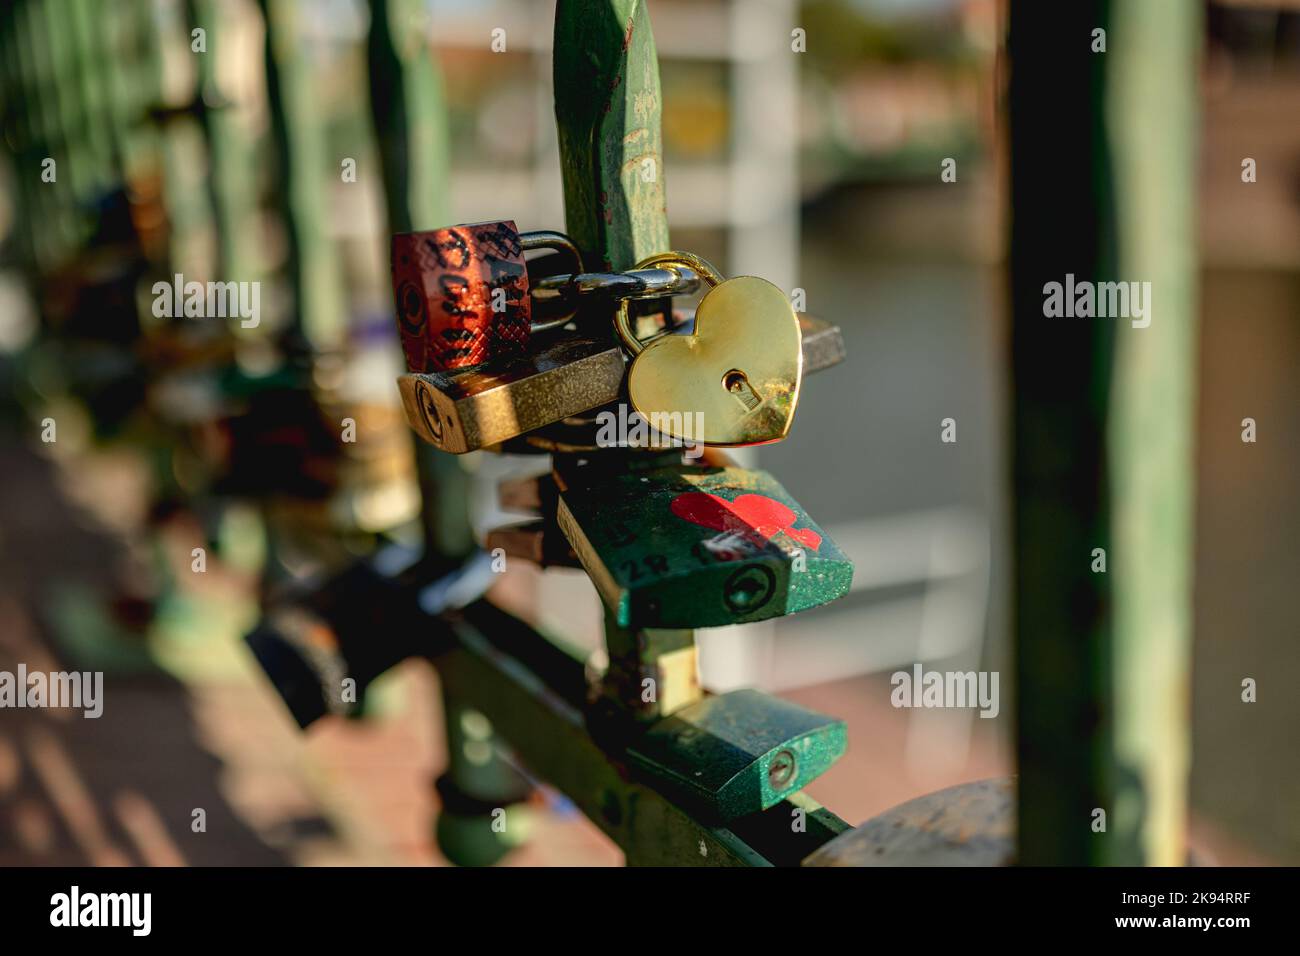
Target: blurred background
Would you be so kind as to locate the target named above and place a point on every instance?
(230, 162)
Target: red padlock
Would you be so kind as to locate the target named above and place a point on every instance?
(462, 293)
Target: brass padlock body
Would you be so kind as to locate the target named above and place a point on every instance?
(476, 408)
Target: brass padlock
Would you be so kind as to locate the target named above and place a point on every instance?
(736, 377)
(821, 342)
(474, 408)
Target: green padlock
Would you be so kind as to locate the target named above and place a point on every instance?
(738, 753)
(699, 546)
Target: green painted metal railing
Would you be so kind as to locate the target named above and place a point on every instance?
(1103, 419)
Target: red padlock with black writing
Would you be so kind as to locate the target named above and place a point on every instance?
(462, 293)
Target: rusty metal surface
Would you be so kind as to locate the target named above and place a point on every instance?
(972, 824)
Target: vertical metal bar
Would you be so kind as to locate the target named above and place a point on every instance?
(410, 127)
(136, 76)
(231, 190)
(406, 99)
(103, 72)
(1101, 655)
(298, 130)
(97, 131)
(1061, 373)
(608, 110)
(58, 202)
(189, 214)
(20, 107)
(1151, 108)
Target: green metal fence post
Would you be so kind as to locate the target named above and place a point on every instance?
(406, 99)
(81, 20)
(231, 189)
(1103, 416)
(1152, 110)
(298, 130)
(45, 98)
(410, 128)
(608, 110)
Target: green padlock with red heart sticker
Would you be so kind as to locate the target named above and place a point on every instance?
(700, 546)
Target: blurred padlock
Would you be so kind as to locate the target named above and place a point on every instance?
(322, 643)
(462, 293)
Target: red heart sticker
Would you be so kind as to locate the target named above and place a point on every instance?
(756, 517)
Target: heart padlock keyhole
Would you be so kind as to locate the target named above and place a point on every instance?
(737, 383)
(735, 377)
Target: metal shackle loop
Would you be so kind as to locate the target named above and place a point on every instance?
(672, 261)
(559, 242)
(634, 284)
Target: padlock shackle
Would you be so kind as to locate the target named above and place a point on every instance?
(683, 260)
(635, 284)
(559, 242)
(550, 239)
(699, 264)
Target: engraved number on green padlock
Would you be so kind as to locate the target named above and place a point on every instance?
(735, 379)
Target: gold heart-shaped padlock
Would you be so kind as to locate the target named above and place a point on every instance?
(733, 381)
